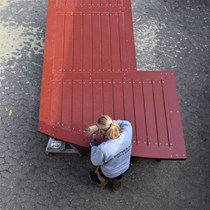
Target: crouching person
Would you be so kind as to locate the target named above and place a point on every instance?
(113, 156)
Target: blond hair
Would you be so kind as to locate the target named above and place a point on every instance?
(106, 124)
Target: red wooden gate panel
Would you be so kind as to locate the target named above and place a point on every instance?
(90, 69)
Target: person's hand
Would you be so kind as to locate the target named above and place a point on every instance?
(93, 143)
(91, 129)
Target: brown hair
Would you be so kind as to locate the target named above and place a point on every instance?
(106, 124)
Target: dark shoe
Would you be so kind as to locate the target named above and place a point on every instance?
(102, 184)
(94, 179)
(116, 185)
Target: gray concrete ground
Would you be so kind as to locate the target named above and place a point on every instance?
(169, 34)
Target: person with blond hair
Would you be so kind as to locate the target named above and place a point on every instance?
(112, 157)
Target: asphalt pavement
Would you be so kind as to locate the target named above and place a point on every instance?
(169, 35)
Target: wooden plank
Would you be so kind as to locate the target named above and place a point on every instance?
(150, 113)
(167, 113)
(77, 114)
(67, 102)
(123, 50)
(113, 3)
(98, 105)
(96, 42)
(179, 150)
(56, 98)
(115, 43)
(77, 57)
(68, 43)
(118, 99)
(59, 37)
(87, 42)
(108, 97)
(131, 56)
(140, 118)
(104, 2)
(60, 3)
(120, 3)
(78, 3)
(87, 103)
(95, 2)
(106, 43)
(129, 105)
(87, 2)
(70, 3)
(160, 114)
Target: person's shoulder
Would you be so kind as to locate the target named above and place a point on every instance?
(103, 145)
(126, 122)
(122, 121)
(106, 143)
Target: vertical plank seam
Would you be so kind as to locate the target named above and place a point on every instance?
(155, 112)
(123, 86)
(91, 25)
(132, 85)
(165, 112)
(145, 114)
(73, 45)
(92, 86)
(120, 53)
(126, 57)
(63, 40)
(100, 29)
(61, 116)
(102, 89)
(82, 51)
(54, 48)
(113, 101)
(72, 87)
(50, 84)
(110, 41)
(125, 43)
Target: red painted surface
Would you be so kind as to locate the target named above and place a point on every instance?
(90, 69)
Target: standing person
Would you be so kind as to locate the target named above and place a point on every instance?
(111, 157)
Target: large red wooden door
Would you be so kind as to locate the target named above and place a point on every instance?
(90, 69)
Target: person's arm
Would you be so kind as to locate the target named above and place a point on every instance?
(91, 129)
(125, 126)
(97, 156)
